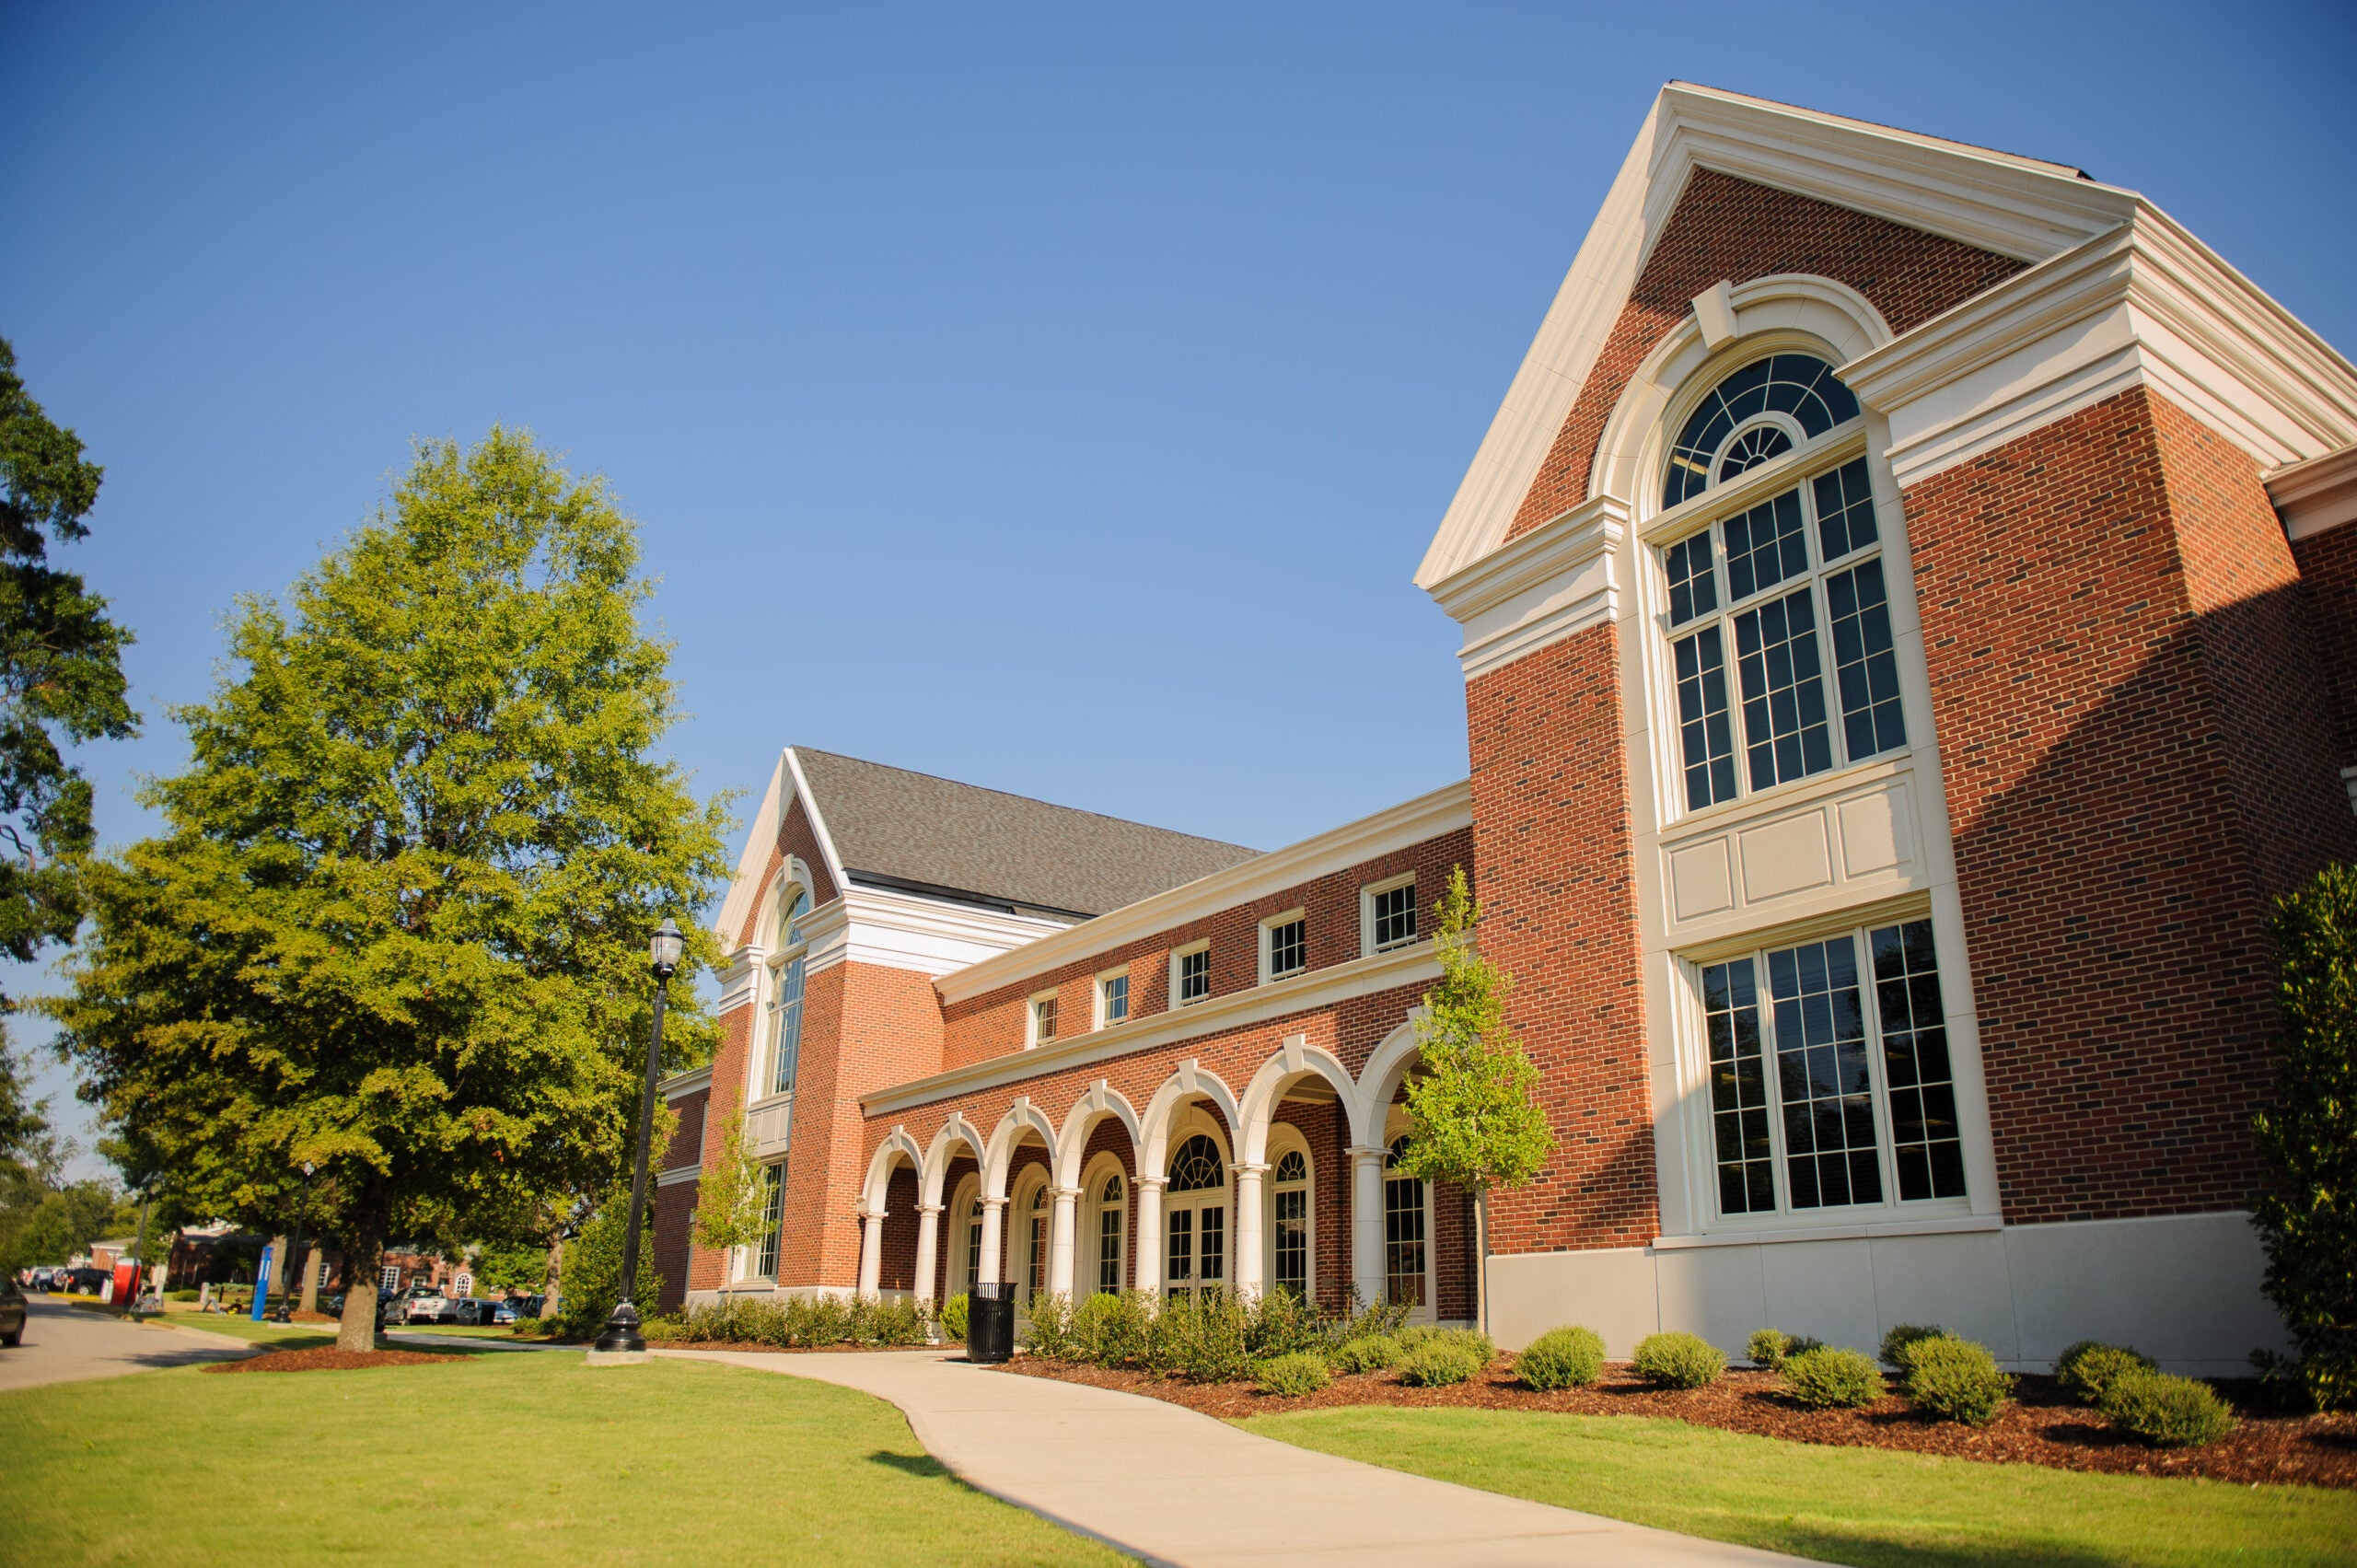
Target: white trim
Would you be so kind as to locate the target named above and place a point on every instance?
(1284, 1138)
(2318, 495)
(1032, 1004)
(1831, 1232)
(1543, 587)
(1092, 1206)
(1413, 965)
(1268, 945)
(1097, 993)
(1188, 950)
(2143, 305)
(1413, 822)
(908, 930)
(681, 1085)
(678, 1174)
(1367, 893)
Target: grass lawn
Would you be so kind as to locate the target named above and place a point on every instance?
(466, 1330)
(532, 1457)
(1866, 1507)
(238, 1325)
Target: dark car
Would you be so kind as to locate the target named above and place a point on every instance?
(526, 1305)
(84, 1282)
(12, 1311)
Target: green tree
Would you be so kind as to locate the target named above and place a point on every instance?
(732, 1198)
(2308, 1216)
(397, 924)
(1472, 1120)
(593, 1267)
(512, 1268)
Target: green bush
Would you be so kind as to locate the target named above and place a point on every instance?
(1678, 1360)
(1440, 1361)
(1561, 1358)
(2175, 1412)
(1828, 1378)
(799, 1323)
(2087, 1368)
(1957, 1380)
(1369, 1353)
(1202, 1337)
(1048, 1326)
(1415, 1336)
(1110, 1328)
(1767, 1347)
(1294, 1375)
(1895, 1342)
(953, 1317)
(2307, 1216)
(183, 1294)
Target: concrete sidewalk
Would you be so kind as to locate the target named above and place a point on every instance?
(1173, 1487)
(65, 1343)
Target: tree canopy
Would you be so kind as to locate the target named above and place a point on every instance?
(397, 924)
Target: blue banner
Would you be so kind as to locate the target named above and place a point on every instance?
(261, 1280)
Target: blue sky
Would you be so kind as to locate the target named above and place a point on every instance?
(1052, 397)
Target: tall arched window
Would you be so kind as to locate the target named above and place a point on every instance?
(1195, 1217)
(1037, 1215)
(1112, 1215)
(1289, 1243)
(786, 1040)
(772, 1221)
(1403, 1233)
(973, 1243)
(1761, 412)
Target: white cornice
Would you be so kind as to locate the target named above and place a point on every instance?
(2014, 206)
(680, 1084)
(1319, 988)
(2318, 495)
(1551, 582)
(1426, 817)
(2143, 304)
(905, 930)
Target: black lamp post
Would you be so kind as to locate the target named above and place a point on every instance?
(286, 1270)
(663, 952)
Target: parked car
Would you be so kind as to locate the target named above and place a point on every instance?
(12, 1311)
(84, 1282)
(472, 1310)
(419, 1303)
(526, 1305)
(43, 1278)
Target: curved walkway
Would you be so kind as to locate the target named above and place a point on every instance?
(1178, 1488)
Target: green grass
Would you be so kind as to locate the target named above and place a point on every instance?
(463, 1331)
(507, 1458)
(238, 1325)
(1867, 1506)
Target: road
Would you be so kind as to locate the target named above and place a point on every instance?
(63, 1343)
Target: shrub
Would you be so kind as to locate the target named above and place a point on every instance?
(1049, 1326)
(1293, 1376)
(1280, 1323)
(1439, 1362)
(183, 1295)
(1474, 1339)
(1415, 1336)
(1678, 1361)
(1369, 1353)
(1109, 1328)
(1561, 1358)
(1895, 1342)
(1767, 1347)
(1200, 1337)
(894, 1323)
(2087, 1368)
(1826, 1377)
(2175, 1412)
(2309, 1135)
(1957, 1380)
(1801, 1344)
(953, 1317)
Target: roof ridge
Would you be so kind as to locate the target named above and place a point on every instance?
(1027, 799)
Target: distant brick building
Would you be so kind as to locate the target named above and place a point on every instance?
(1910, 596)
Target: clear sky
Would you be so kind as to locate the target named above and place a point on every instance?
(1052, 397)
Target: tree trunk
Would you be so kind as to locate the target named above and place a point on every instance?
(551, 1281)
(363, 1261)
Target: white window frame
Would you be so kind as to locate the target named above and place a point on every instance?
(1088, 1246)
(1024, 1208)
(962, 1221)
(1203, 946)
(749, 1266)
(1284, 1138)
(1032, 1006)
(388, 1277)
(1695, 1051)
(1103, 988)
(1269, 940)
(1368, 946)
(786, 952)
(462, 1285)
(1191, 1122)
(1395, 1125)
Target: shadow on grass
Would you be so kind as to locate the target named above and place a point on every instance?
(924, 1465)
(1872, 1552)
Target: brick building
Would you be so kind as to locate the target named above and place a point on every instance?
(1909, 597)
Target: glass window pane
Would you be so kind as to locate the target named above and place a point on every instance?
(1798, 384)
(1765, 546)
(1394, 915)
(1738, 1087)
(1865, 670)
(1784, 729)
(1845, 510)
(1403, 1236)
(1693, 580)
(785, 1054)
(1823, 1079)
(1705, 732)
(1915, 1063)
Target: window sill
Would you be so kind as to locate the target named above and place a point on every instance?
(1865, 1230)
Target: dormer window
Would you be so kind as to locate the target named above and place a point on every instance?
(1761, 412)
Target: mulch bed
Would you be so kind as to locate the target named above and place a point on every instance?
(2042, 1426)
(327, 1358)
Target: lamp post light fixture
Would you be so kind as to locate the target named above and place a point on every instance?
(622, 1342)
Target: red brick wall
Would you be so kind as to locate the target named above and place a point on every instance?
(1553, 835)
(674, 1207)
(2124, 696)
(2328, 564)
(794, 838)
(708, 1270)
(995, 1023)
(1731, 228)
(686, 1147)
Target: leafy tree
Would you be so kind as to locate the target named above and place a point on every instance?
(511, 1270)
(732, 1198)
(1473, 1119)
(61, 676)
(2308, 1217)
(593, 1267)
(397, 924)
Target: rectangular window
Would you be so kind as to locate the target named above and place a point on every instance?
(1194, 975)
(391, 1277)
(772, 1221)
(1043, 1019)
(1288, 948)
(1182, 1247)
(1392, 911)
(1780, 609)
(1292, 1241)
(1211, 1250)
(1112, 999)
(1819, 1100)
(1403, 1240)
(1109, 1248)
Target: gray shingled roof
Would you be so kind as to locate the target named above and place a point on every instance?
(892, 827)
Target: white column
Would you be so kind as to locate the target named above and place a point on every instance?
(986, 1269)
(1248, 1274)
(928, 1250)
(871, 1252)
(1149, 1237)
(1366, 1225)
(1060, 1241)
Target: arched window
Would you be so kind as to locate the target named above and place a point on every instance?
(1112, 1215)
(1761, 412)
(1195, 1217)
(785, 1043)
(772, 1221)
(463, 1285)
(1035, 1261)
(1403, 1233)
(1289, 1242)
(973, 1243)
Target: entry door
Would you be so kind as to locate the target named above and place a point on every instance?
(1195, 1219)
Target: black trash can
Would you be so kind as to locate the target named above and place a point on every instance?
(990, 1322)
